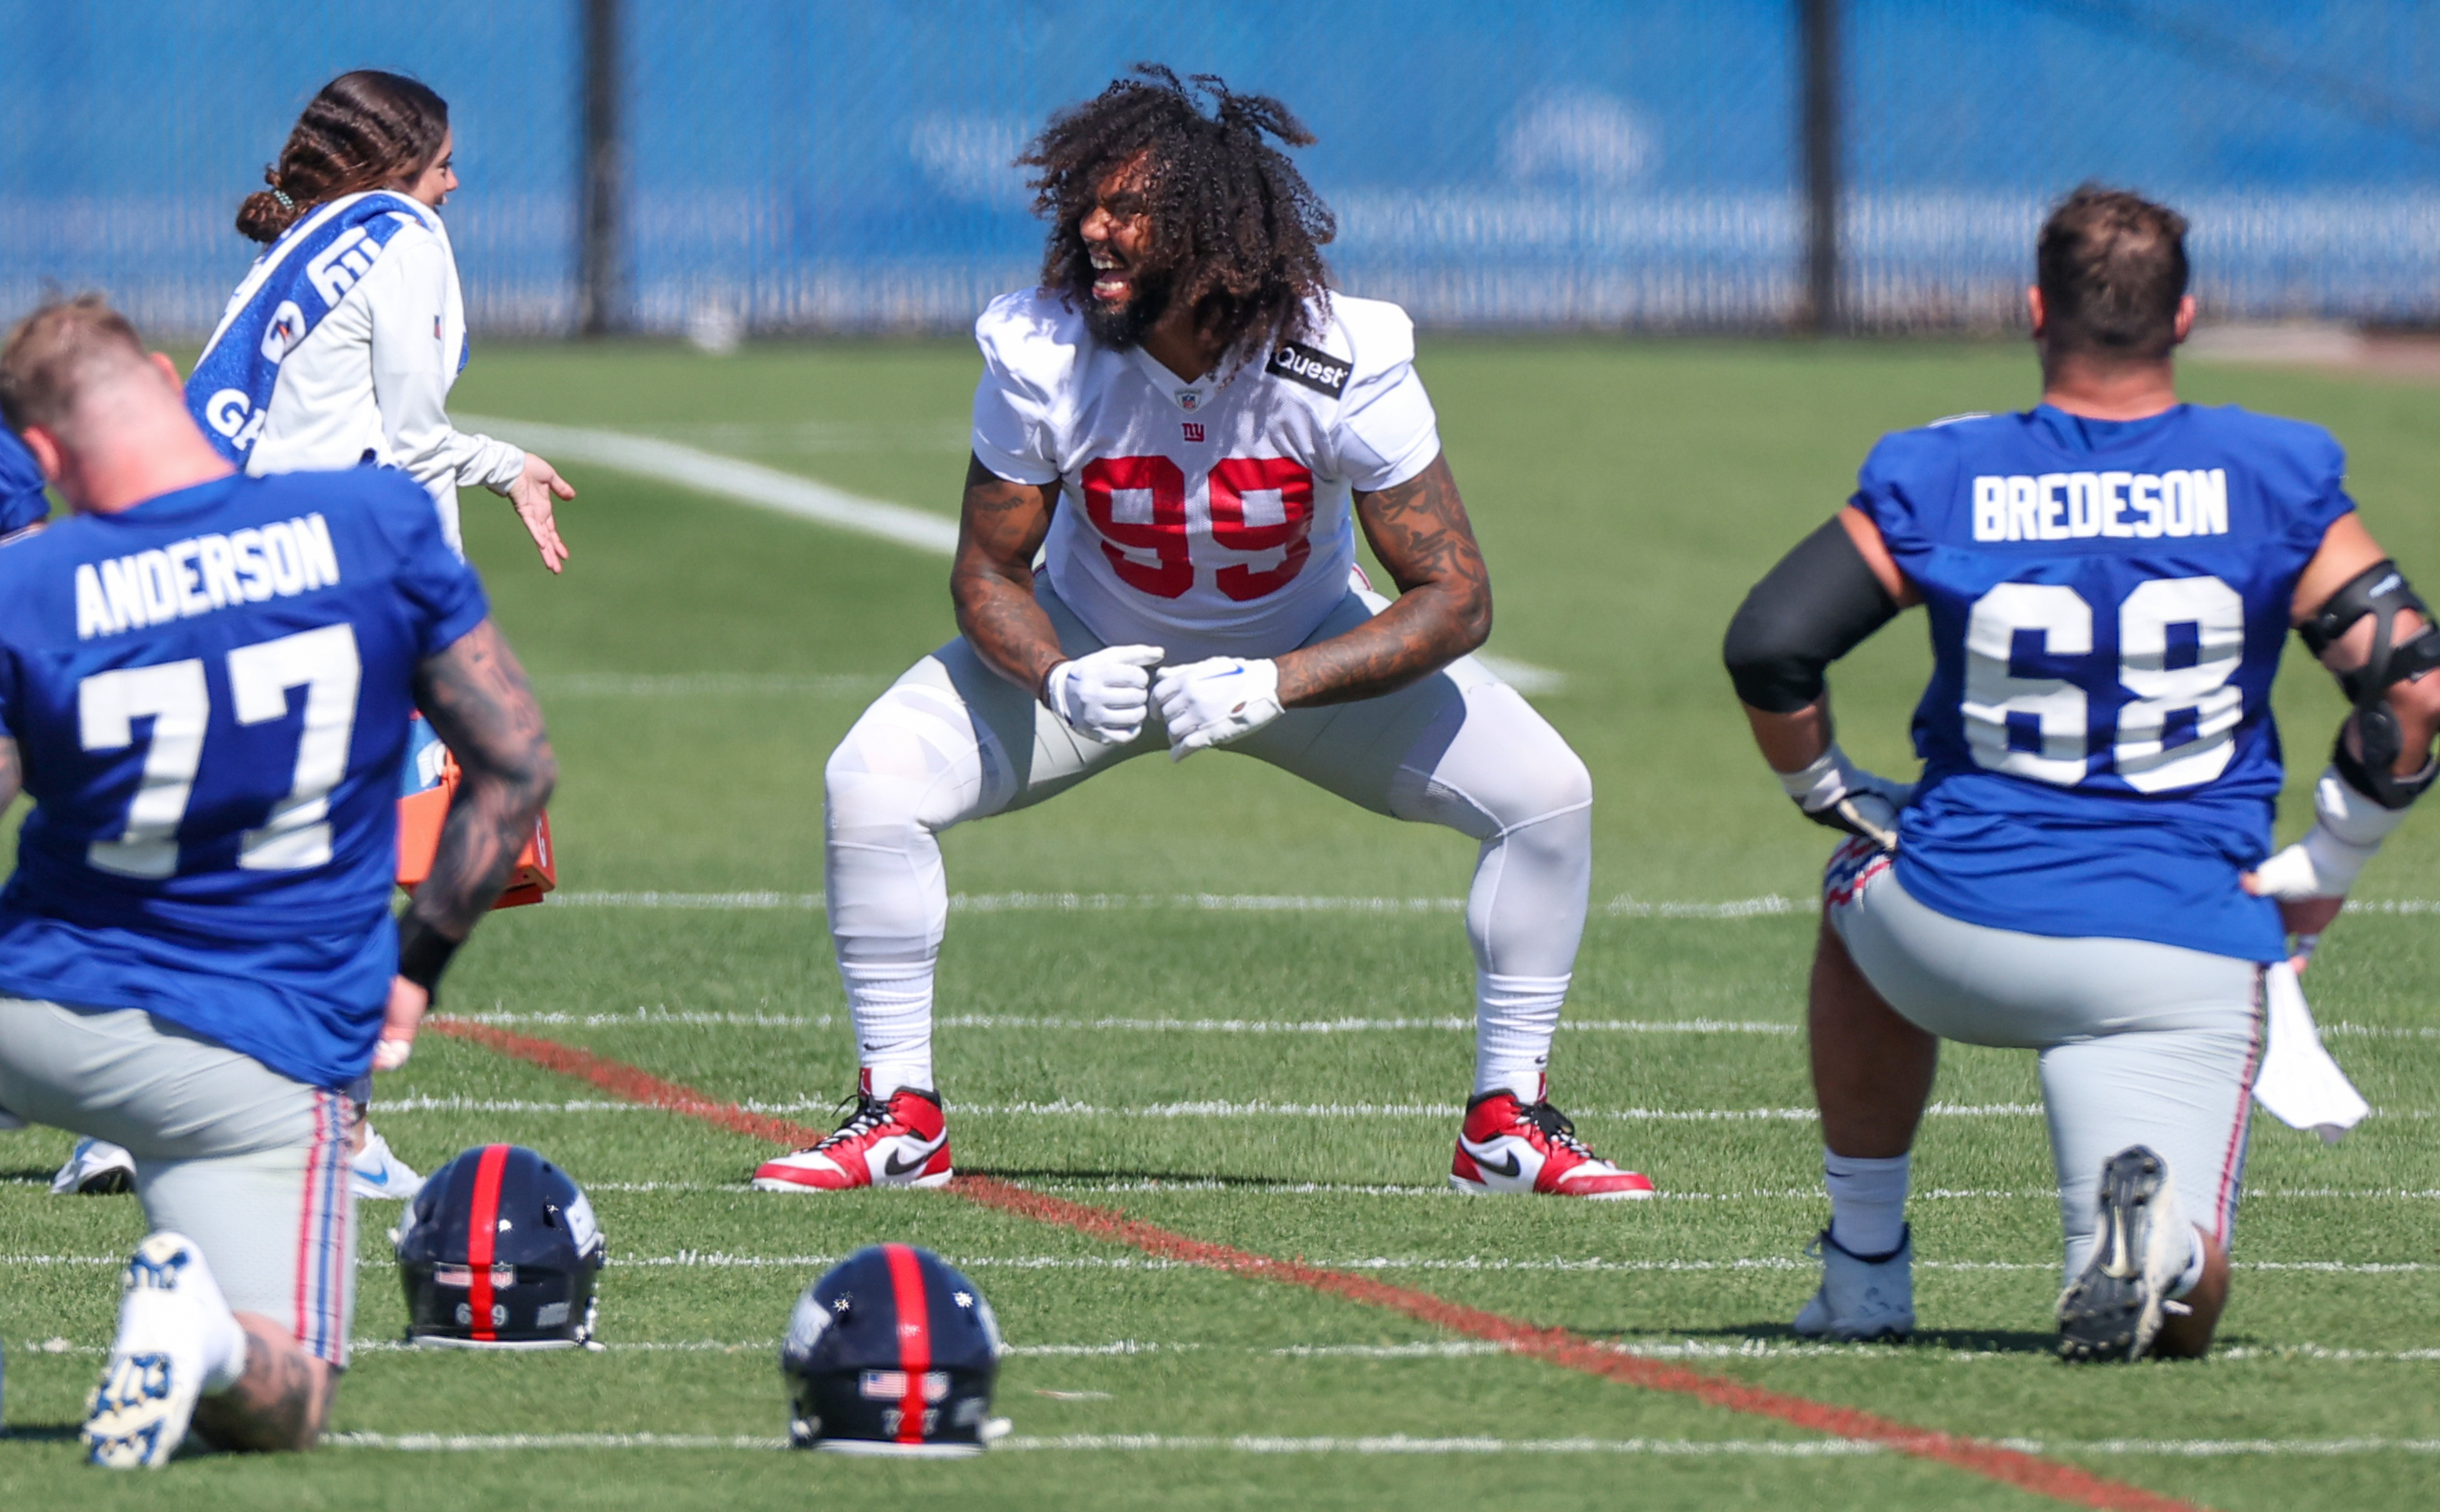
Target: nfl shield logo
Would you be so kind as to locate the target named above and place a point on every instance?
(1188, 400)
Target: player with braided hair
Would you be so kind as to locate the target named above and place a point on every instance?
(1189, 425)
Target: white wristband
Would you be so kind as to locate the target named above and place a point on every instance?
(1830, 778)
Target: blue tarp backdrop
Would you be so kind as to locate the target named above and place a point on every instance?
(845, 164)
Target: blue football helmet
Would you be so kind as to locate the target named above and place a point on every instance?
(892, 1353)
(499, 1251)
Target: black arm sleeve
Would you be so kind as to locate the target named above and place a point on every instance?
(1817, 605)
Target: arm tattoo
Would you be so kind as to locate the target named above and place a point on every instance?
(12, 774)
(1419, 532)
(999, 529)
(479, 701)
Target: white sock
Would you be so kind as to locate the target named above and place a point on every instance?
(891, 1002)
(194, 1304)
(1867, 1202)
(1514, 1019)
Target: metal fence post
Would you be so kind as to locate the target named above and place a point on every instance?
(1819, 121)
(604, 306)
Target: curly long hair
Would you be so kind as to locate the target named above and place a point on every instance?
(1234, 226)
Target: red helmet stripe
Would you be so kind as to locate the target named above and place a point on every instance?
(482, 1234)
(914, 1336)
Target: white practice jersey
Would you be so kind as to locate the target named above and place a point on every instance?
(1213, 517)
(371, 381)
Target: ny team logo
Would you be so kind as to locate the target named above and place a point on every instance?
(1193, 429)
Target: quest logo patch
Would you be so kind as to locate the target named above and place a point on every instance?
(1318, 370)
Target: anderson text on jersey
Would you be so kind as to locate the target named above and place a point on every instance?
(202, 573)
(2068, 505)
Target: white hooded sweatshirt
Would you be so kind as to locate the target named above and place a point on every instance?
(370, 382)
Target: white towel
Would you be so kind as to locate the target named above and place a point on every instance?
(2299, 1083)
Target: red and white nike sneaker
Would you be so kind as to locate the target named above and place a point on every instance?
(902, 1139)
(1508, 1145)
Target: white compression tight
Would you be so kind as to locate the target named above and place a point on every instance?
(951, 740)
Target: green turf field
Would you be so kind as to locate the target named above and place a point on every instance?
(697, 664)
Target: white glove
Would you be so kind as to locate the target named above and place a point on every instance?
(1213, 702)
(1102, 696)
(389, 1054)
(2347, 829)
(1836, 792)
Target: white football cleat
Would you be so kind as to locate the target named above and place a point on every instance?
(381, 1174)
(901, 1141)
(1510, 1145)
(2142, 1246)
(169, 1318)
(95, 1166)
(1860, 1299)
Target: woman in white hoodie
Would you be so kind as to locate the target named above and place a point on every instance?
(367, 378)
(338, 350)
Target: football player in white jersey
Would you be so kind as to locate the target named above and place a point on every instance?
(1189, 427)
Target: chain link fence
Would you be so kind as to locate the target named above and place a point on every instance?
(822, 164)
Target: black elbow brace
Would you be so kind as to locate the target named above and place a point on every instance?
(1815, 606)
(2379, 590)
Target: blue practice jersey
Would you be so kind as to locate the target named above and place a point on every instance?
(209, 696)
(22, 503)
(2108, 604)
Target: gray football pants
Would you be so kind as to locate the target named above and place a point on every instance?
(952, 741)
(250, 1165)
(2141, 1043)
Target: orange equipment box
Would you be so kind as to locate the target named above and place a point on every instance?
(420, 818)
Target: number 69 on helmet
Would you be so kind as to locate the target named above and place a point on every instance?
(499, 1251)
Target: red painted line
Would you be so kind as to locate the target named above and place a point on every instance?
(1559, 1346)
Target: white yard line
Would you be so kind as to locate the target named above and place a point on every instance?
(394, 1105)
(1450, 1349)
(729, 477)
(717, 1260)
(1627, 907)
(706, 684)
(1770, 904)
(1401, 1443)
(800, 497)
(1260, 1187)
(650, 1016)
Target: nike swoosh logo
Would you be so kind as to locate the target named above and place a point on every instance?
(1511, 1170)
(893, 1166)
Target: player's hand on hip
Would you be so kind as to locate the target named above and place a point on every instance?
(1104, 697)
(404, 1015)
(1214, 701)
(1836, 792)
(532, 494)
(2311, 878)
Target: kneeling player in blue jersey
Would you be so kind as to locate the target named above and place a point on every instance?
(204, 684)
(2083, 868)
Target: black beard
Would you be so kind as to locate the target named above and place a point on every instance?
(1125, 327)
